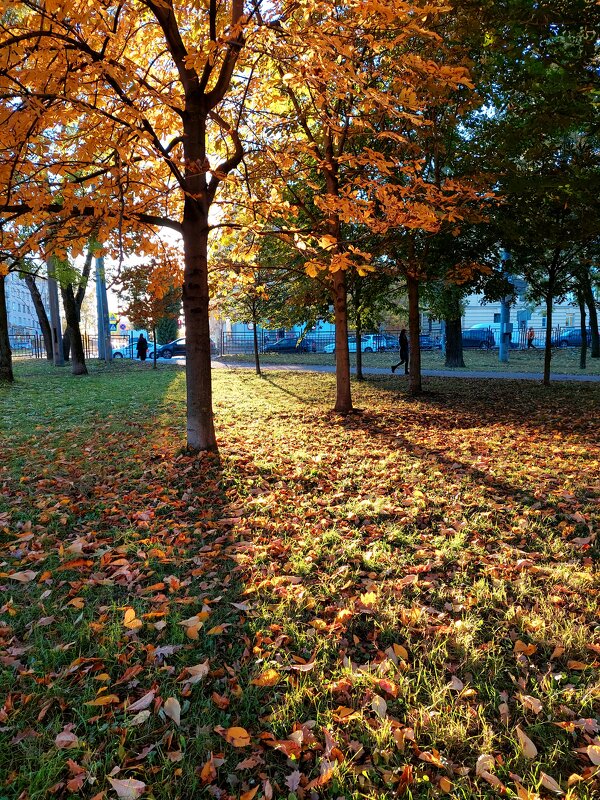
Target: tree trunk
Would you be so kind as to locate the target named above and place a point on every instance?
(583, 351)
(78, 366)
(359, 372)
(42, 316)
(255, 337)
(200, 422)
(593, 311)
(154, 365)
(454, 348)
(414, 357)
(549, 301)
(343, 399)
(6, 372)
(66, 342)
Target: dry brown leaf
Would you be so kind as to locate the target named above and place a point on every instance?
(528, 748)
(142, 703)
(400, 651)
(249, 794)
(139, 719)
(379, 706)
(532, 703)
(23, 577)
(577, 666)
(66, 740)
(593, 751)
(128, 788)
(104, 700)
(172, 709)
(549, 783)
(526, 649)
(456, 684)
(485, 763)
(445, 785)
(198, 672)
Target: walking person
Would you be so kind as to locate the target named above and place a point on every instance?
(403, 352)
(142, 347)
(530, 338)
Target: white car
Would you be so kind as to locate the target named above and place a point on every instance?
(369, 343)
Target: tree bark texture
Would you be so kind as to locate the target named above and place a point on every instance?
(6, 371)
(200, 423)
(42, 316)
(78, 366)
(583, 326)
(343, 398)
(414, 357)
(593, 312)
(454, 348)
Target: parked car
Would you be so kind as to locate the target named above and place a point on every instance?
(129, 351)
(571, 338)
(177, 348)
(290, 344)
(427, 342)
(369, 343)
(482, 339)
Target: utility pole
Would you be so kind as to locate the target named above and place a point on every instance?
(57, 346)
(505, 323)
(104, 343)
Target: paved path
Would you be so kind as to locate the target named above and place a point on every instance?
(430, 373)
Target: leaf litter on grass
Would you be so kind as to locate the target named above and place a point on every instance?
(354, 606)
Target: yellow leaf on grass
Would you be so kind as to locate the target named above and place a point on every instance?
(172, 709)
(576, 665)
(525, 649)
(130, 621)
(525, 794)
(237, 737)
(270, 677)
(400, 651)
(445, 785)
(368, 599)
(528, 748)
(104, 700)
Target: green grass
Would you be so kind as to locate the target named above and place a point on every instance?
(564, 361)
(453, 526)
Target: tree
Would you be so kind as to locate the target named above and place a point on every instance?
(113, 120)
(153, 295)
(344, 80)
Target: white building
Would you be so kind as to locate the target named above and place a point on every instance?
(522, 315)
(22, 316)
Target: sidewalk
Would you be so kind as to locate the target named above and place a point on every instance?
(426, 373)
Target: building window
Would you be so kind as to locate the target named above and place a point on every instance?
(569, 320)
(497, 317)
(543, 322)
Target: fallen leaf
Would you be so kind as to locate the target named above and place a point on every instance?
(172, 709)
(249, 794)
(577, 666)
(198, 672)
(456, 684)
(525, 649)
(400, 651)
(23, 577)
(293, 780)
(237, 737)
(128, 788)
(139, 719)
(142, 703)
(445, 785)
(104, 700)
(593, 751)
(549, 783)
(532, 703)
(528, 748)
(379, 706)
(269, 677)
(66, 740)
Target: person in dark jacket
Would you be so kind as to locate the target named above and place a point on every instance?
(403, 352)
(141, 347)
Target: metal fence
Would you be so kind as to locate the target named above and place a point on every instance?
(31, 345)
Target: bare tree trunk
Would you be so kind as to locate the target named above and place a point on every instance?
(343, 399)
(255, 332)
(549, 301)
(583, 351)
(414, 357)
(42, 316)
(454, 348)
(6, 371)
(359, 372)
(78, 366)
(593, 311)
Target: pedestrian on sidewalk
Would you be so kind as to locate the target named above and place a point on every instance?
(530, 338)
(142, 347)
(403, 341)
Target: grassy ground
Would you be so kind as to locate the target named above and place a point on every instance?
(401, 601)
(564, 362)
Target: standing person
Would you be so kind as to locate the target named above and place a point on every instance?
(403, 352)
(142, 347)
(530, 338)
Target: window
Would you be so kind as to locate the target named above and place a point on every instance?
(497, 317)
(569, 320)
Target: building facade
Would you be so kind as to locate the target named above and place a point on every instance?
(22, 316)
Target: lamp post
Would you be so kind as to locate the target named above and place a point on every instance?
(104, 344)
(505, 324)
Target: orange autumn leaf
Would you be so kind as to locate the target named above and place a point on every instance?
(104, 700)
(269, 677)
(237, 737)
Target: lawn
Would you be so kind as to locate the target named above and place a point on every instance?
(402, 601)
(564, 362)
